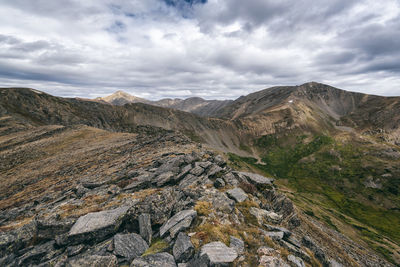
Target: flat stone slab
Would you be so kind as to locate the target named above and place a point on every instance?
(97, 225)
(176, 219)
(183, 248)
(219, 253)
(93, 261)
(257, 179)
(237, 194)
(129, 246)
(275, 235)
(156, 260)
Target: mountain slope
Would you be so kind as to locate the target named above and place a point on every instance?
(195, 105)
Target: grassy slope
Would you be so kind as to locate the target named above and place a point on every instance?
(326, 175)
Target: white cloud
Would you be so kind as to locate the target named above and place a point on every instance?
(221, 49)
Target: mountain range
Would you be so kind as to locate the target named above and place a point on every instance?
(334, 156)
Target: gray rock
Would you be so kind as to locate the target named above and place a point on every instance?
(185, 170)
(190, 180)
(261, 214)
(219, 160)
(129, 246)
(35, 255)
(50, 228)
(230, 179)
(156, 260)
(221, 202)
(141, 182)
(285, 231)
(93, 261)
(275, 235)
(183, 249)
(197, 171)
(203, 164)
(237, 194)
(97, 225)
(172, 165)
(219, 253)
(75, 250)
(213, 170)
(202, 261)
(177, 218)
(272, 261)
(256, 178)
(164, 178)
(181, 226)
(295, 261)
(219, 183)
(145, 227)
(237, 244)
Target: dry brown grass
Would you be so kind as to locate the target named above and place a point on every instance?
(16, 224)
(203, 208)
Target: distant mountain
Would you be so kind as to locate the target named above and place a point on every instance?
(121, 98)
(195, 105)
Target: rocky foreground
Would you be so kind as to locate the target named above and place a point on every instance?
(149, 199)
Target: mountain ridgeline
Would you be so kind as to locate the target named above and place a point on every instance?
(334, 155)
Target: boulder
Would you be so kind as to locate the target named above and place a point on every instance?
(295, 261)
(97, 225)
(129, 246)
(93, 261)
(230, 179)
(237, 194)
(256, 178)
(75, 250)
(273, 228)
(156, 260)
(219, 253)
(50, 228)
(219, 183)
(197, 171)
(145, 227)
(183, 249)
(219, 160)
(164, 178)
(237, 244)
(189, 215)
(37, 253)
(202, 261)
(213, 170)
(269, 261)
(140, 182)
(275, 235)
(261, 214)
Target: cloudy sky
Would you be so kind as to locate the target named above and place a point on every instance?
(214, 49)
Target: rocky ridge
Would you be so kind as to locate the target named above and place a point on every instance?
(170, 213)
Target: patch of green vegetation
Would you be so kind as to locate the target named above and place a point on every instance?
(245, 148)
(193, 136)
(332, 173)
(157, 245)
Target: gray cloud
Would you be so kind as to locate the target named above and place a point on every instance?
(213, 49)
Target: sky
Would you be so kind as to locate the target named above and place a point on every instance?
(215, 49)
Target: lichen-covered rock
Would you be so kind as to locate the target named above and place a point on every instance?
(295, 261)
(237, 244)
(97, 225)
(176, 219)
(93, 261)
(129, 246)
(50, 228)
(256, 178)
(219, 253)
(145, 227)
(156, 260)
(183, 249)
(237, 194)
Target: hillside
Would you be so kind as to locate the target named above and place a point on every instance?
(334, 156)
(195, 105)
